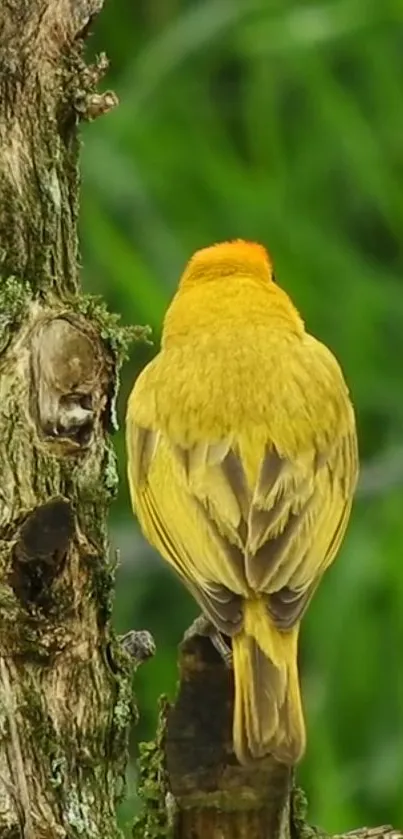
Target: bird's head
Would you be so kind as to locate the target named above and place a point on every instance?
(228, 260)
(227, 284)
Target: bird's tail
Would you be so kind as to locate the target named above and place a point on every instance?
(268, 717)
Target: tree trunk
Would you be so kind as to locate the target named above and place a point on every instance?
(65, 686)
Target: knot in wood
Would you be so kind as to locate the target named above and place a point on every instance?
(41, 549)
(70, 382)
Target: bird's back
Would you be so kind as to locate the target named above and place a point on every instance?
(246, 377)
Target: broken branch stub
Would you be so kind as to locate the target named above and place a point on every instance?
(214, 795)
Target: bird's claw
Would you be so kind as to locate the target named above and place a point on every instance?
(202, 626)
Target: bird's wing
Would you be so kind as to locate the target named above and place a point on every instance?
(229, 539)
(175, 523)
(297, 522)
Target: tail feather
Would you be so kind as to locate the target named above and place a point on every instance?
(268, 717)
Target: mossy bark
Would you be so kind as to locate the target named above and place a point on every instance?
(65, 684)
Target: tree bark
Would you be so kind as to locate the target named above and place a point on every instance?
(65, 682)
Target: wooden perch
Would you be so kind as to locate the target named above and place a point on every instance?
(191, 783)
(213, 792)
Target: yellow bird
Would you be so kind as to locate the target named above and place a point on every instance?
(242, 465)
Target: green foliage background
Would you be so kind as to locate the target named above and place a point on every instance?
(280, 121)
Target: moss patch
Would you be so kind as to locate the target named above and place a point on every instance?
(299, 811)
(154, 819)
(118, 337)
(14, 298)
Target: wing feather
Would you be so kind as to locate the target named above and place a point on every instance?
(156, 501)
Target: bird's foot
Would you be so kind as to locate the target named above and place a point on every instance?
(202, 626)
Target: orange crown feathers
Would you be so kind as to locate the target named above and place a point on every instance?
(227, 258)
